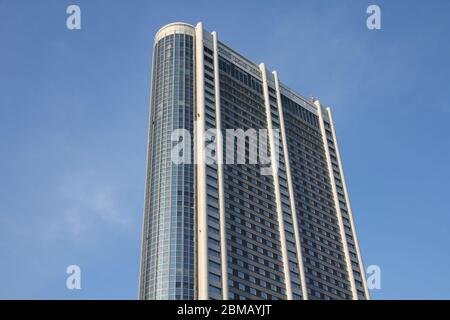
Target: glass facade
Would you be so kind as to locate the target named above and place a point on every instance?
(168, 266)
(212, 186)
(255, 270)
(284, 236)
(325, 267)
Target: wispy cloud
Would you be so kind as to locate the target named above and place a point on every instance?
(85, 201)
(73, 217)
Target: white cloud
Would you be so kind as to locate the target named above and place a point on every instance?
(87, 200)
(75, 207)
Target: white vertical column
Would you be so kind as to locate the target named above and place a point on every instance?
(219, 154)
(336, 202)
(274, 165)
(290, 189)
(349, 208)
(202, 223)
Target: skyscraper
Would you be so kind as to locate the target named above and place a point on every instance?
(230, 231)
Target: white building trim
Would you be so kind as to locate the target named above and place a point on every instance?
(274, 165)
(172, 28)
(349, 208)
(202, 222)
(219, 154)
(290, 189)
(336, 202)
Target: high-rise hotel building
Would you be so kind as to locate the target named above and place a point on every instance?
(222, 231)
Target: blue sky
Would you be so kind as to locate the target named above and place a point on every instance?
(73, 130)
